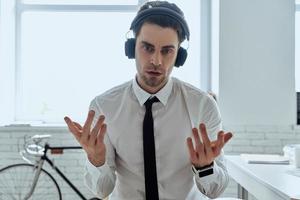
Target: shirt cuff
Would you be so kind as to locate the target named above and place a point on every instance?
(207, 175)
(97, 171)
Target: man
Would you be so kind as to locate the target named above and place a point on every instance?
(138, 136)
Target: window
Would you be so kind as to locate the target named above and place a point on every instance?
(56, 55)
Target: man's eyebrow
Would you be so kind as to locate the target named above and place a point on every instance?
(168, 47)
(164, 47)
(147, 43)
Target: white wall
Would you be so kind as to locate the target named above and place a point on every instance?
(257, 85)
(256, 70)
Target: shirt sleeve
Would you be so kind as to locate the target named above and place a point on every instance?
(101, 180)
(213, 185)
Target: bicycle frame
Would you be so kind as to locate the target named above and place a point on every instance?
(35, 179)
(40, 164)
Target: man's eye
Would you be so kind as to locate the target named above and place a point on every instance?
(166, 51)
(148, 48)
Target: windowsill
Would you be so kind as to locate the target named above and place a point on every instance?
(57, 127)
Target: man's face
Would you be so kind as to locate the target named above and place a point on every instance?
(155, 52)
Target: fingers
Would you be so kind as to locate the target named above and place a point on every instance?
(220, 140)
(213, 144)
(89, 120)
(227, 137)
(223, 138)
(72, 127)
(95, 131)
(98, 124)
(196, 137)
(204, 134)
(200, 149)
(100, 136)
(200, 153)
(218, 144)
(192, 152)
(205, 139)
(197, 154)
(205, 151)
(79, 127)
(92, 138)
(87, 126)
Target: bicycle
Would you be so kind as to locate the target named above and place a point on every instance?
(29, 180)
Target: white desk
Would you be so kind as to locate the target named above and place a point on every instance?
(264, 181)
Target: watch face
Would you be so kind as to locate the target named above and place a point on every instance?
(203, 171)
(206, 172)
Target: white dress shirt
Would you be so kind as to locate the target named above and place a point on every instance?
(181, 108)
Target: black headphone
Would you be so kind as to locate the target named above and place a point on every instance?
(164, 11)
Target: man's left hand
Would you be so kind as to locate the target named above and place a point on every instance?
(204, 152)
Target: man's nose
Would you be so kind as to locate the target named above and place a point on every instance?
(156, 58)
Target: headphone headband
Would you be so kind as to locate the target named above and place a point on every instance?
(164, 11)
(159, 11)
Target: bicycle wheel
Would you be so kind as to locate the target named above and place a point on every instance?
(16, 181)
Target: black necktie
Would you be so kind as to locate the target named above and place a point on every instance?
(149, 152)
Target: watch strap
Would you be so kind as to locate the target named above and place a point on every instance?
(203, 171)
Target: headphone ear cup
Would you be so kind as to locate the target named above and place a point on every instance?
(181, 57)
(130, 48)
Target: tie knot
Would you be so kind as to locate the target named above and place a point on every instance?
(150, 101)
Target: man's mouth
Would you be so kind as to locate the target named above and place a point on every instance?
(153, 73)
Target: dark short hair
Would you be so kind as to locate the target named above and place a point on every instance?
(161, 20)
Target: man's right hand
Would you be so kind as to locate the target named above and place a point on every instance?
(91, 140)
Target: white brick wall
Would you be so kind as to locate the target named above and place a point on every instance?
(247, 139)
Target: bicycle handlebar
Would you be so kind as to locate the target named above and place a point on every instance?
(34, 147)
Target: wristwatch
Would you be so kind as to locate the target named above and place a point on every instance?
(203, 171)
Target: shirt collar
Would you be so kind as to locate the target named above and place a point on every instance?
(163, 94)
